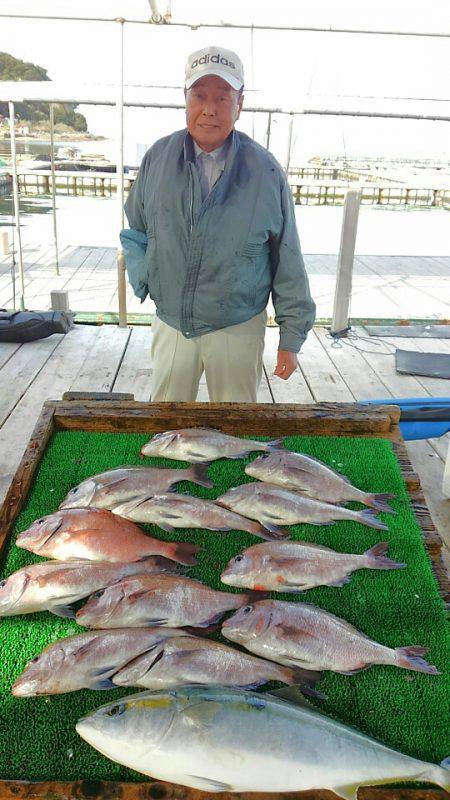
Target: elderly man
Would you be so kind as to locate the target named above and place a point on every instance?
(212, 234)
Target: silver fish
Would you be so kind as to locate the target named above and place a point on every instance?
(55, 585)
(300, 634)
(87, 660)
(118, 485)
(190, 660)
(220, 739)
(298, 566)
(273, 506)
(302, 473)
(170, 511)
(203, 444)
(142, 602)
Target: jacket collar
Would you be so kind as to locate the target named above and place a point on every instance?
(234, 144)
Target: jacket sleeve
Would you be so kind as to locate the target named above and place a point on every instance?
(295, 309)
(134, 241)
(134, 245)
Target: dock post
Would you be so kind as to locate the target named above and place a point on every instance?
(16, 205)
(52, 162)
(121, 281)
(343, 291)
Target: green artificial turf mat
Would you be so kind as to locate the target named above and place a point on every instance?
(404, 709)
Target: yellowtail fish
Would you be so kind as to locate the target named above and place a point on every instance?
(87, 660)
(55, 585)
(273, 506)
(301, 473)
(298, 566)
(174, 603)
(118, 485)
(203, 444)
(300, 634)
(232, 740)
(98, 535)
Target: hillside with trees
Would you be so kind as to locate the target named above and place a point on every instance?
(14, 69)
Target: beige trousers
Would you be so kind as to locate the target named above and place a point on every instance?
(231, 359)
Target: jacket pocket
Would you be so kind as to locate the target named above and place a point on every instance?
(251, 259)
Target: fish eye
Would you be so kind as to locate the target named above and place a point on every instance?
(239, 558)
(33, 660)
(100, 593)
(74, 491)
(247, 609)
(116, 710)
(2, 584)
(40, 521)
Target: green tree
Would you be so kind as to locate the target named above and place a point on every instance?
(14, 69)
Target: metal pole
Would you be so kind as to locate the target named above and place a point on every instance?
(121, 279)
(289, 147)
(52, 161)
(269, 123)
(16, 205)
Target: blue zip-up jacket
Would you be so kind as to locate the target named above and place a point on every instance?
(211, 264)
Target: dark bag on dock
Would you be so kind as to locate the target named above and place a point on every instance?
(26, 326)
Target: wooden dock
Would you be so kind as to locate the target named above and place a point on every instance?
(108, 358)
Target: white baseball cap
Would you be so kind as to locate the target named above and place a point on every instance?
(215, 61)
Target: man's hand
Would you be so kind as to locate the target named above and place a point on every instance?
(286, 364)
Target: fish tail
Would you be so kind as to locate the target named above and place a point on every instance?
(248, 598)
(273, 534)
(377, 559)
(275, 444)
(441, 774)
(411, 658)
(184, 552)
(305, 679)
(380, 502)
(369, 517)
(198, 473)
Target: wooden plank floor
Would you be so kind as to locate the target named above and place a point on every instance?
(108, 358)
(405, 287)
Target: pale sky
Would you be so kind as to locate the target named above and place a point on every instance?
(282, 68)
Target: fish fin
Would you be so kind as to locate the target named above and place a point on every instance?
(322, 524)
(63, 611)
(348, 792)
(199, 475)
(184, 552)
(354, 671)
(110, 488)
(368, 517)
(157, 623)
(212, 620)
(411, 658)
(378, 559)
(294, 695)
(207, 785)
(196, 455)
(166, 527)
(101, 684)
(271, 533)
(445, 763)
(201, 714)
(276, 444)
(341, 581)
(380, 502)
(275, 530)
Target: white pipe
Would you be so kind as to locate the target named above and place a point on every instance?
(16, 204)
(289, 145)
(52, 161)
(121, 279)
(196, 25)
(156, 16)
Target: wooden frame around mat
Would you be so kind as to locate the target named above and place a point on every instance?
(121, 414)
